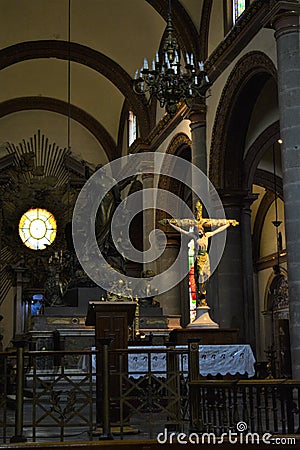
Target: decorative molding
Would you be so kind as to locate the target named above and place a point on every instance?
(254, 154)
(241, 89)
(284, 16)
(273, 279)
(263, 208)
(281, 294)
(268, 262)
(266, 180)
(204, 29)
(250, 22)
(177, 144)
(196, 114)
(158, 134)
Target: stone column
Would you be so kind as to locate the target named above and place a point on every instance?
(230, 270)
(19, 313)
(148, 221)
(197, 117)
(170, 300)
(287, 34)
(247, 260)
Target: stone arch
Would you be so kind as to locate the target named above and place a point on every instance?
(61, 107)
(265, 140)
(204, 27)
(83, 55)
(238, 98)
(178, 145)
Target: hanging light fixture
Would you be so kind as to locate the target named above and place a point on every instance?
(167, 80)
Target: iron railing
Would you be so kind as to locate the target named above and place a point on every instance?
(262, 406)
(60, 396)
(51, 395)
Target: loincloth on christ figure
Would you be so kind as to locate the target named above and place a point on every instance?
(202, 265)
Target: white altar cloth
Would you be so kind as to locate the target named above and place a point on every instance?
(213, 360)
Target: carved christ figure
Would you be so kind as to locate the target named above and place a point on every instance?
(200, 237)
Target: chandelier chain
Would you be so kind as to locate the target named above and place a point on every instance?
(167, 79)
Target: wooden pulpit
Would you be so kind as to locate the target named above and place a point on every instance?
(111, 321)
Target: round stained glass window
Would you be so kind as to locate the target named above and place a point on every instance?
(37, 228)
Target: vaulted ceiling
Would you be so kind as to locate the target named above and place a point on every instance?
(104, 45)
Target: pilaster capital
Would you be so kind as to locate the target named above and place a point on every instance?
(233, 197)
(249, 199)
(285, 17)
(197, 113)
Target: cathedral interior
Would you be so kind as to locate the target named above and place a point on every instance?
(71, 106)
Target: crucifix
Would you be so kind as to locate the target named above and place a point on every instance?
(200, 237)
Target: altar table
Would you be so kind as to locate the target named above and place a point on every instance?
(213, 360)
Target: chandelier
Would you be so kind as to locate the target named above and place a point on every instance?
(167, 80)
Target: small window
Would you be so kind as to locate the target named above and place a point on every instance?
(239, 7)
(233, 9)
(132, 128)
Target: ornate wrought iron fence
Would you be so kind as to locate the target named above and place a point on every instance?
(43, 397)
(51, 396)
(153, 390)
(63, 398)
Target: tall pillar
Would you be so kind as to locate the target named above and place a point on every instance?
(287, 34)
(170, 301)
(247, 260)
(230, 271)
(148, 221)
(19, 313)
(197, 117)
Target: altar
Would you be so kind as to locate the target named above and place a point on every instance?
(214, 360)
